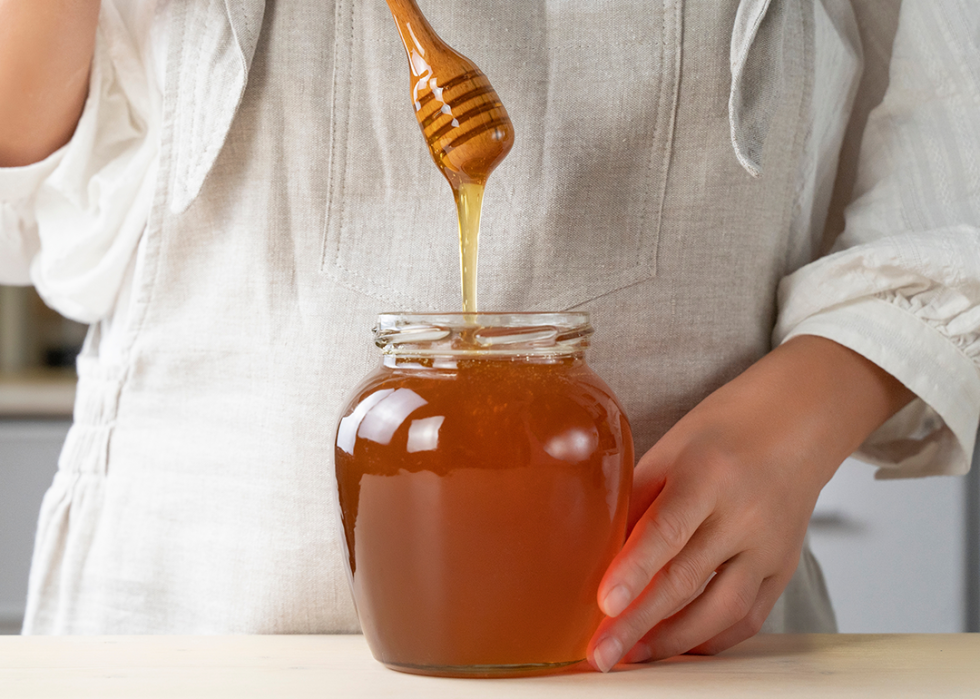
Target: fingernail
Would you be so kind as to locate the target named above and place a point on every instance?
(607, 653)
(616, 601)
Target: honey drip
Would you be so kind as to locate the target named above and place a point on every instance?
(469, 205)
(464, 123)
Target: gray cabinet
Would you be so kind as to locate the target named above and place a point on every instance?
(895, 553)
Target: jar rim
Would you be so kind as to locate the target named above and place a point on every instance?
(520, 333)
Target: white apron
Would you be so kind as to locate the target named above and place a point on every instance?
(196, 492)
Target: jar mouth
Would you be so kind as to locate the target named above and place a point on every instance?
(473, 334)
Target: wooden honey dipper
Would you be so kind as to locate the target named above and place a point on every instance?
(462, 119)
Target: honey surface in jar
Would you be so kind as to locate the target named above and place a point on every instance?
(481, 505)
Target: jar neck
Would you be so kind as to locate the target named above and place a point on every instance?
(439, 338)
(454, 363)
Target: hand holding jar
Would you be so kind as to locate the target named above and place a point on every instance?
(720, 504)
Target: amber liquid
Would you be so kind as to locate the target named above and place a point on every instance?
(481, 507)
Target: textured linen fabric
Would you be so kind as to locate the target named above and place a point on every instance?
(902, 285)
(194, 492)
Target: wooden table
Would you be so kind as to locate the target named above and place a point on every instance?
(145, 667)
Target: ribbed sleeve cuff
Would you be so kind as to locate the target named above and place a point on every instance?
(933, 435)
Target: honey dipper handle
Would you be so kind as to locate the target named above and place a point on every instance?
(417, 35)
(463, 121)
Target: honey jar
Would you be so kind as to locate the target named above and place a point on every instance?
(484, 474)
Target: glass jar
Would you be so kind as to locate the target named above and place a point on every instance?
(484, 473)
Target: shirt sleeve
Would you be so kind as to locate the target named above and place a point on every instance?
(70, 224)
(19, 242)
(902, 283)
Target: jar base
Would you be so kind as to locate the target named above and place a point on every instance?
(487, 671)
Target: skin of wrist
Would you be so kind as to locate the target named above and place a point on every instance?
(854, 395)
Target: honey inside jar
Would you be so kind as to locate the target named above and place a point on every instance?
(483, 498)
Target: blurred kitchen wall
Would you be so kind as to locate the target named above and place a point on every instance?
(32, 336)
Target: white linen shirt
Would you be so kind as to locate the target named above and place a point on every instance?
(901, 285)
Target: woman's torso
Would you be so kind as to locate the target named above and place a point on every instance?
(196, 493)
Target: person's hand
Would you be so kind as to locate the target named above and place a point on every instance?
(721, 503)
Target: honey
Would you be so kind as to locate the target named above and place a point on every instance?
(483, 497)
(484, 470)
(469, 206)
(465, 125)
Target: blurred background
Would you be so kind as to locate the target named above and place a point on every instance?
(898, 556)
(37, 391)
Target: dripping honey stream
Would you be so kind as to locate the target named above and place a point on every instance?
(464, 123)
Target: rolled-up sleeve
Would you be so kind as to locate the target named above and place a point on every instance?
(70, 224)
(902, 283)
(19, 241)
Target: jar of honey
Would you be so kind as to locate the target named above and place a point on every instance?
(484, 474)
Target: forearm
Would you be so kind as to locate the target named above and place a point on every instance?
(46, 50)
(831, 398)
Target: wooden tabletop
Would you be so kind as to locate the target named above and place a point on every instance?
(341, 666)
